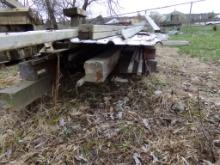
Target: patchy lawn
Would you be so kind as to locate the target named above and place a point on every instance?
(205, 42)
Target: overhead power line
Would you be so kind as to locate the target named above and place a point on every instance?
(156, 8)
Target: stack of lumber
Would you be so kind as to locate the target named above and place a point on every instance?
(93, 32)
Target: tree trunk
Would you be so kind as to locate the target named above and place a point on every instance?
(51, 15)
(85, 4)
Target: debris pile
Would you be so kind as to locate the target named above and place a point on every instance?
(164, 119)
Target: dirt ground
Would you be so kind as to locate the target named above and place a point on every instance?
(169, 117)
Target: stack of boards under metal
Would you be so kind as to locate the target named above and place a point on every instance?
(122, 48)
(130, 52)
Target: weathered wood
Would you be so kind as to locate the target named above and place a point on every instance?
(71, 12)
(149, 53)
(155, 27)
(132, 61)
(15, 16)
(175, 43)
(151, 65)
(131, 31)
(98, 69)
(12, 3)
(77, 15)
(35, 69)
(24, 39)
(89, 31)
(24, 93)
(140, 64)
(10, 12)
(15, 20)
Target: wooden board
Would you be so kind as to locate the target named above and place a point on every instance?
(98, 68)
(15, 20)
(11, 41)
(24, 93)
(89, 31)
(71, 12)
(13, 3)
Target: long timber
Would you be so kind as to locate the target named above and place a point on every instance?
(24, 93)
(132, 30)
(12, 3)
(88, 31)
(9, 41)
(98, 68)
(152, 23)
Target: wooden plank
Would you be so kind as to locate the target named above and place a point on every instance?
(131, 31)
(14, 11)
(152, 23)
(89, 31)
(98, 69)
(71, 12)
(15, 20)
(151, 65)
(24, 93)
(9, 41)
(140, 63)
(12, 3)
(132, 61)
(175, 43)
(35, 69)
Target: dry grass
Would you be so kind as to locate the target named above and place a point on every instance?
(9, 76)
(113, 123)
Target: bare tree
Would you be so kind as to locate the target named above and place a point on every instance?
(51, 14)
(53, 9)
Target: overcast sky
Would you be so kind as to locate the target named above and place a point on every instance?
(134, 5)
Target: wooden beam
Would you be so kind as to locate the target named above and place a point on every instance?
(14, 11)
(155, 27)
(35, 69)
(12, 3)
(71, 12)
(175, 43)
(15, 20)
(131, 31)
(24, 93)
(89, 31)
(98, 69)
(9, 41)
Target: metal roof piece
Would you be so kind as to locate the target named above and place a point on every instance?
(141, 39)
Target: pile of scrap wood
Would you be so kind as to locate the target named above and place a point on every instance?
(98, 50)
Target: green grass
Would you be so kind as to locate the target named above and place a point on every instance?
(204, 42)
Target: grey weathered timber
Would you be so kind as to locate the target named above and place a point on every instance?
(89, 31)
(152, 23)
(74, 11)
(131, 31)
(11, 41)
(132, 61)
(77, 15)
(175, 43)
(15, 16)
(35, 69)
(151, 65)
(140, 64)
(12, 3)
(24, 93)
(98, 69)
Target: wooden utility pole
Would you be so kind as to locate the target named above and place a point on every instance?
(190, 14)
